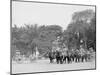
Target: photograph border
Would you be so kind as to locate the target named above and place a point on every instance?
(49, 3)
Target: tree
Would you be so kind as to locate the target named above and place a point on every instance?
(79, 28)
(28, 37)
(47, 35)
(83, 15)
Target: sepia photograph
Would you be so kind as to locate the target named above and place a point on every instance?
(52, 37)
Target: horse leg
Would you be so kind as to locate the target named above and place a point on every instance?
(76, 59)
(82, 58)
(86, 58)
(68, 60)
(57, 60)
(64, 60)
(50, 59)
(60, 59)
(73, 58)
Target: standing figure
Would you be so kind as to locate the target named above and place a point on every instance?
(83, 54)
(59, 57)
(68, 57)
(72, 56)
(64, 56)
(51, 56)
(77, 55)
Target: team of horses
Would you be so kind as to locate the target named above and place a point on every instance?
(69, 56)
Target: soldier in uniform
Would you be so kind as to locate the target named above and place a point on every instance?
(64, 56)
(77, 55)
(59, 57)
(72, 55)
(51, 56)
(68, 56)
(83, 54)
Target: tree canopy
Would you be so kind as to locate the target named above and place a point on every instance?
(80, 31)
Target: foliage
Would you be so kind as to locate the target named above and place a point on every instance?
(81, 31)
(81, 28)
(28, 37)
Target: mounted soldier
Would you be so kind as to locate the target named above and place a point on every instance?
(77, 55)
(59, 57)
(64, 53)
(90, 54)
(51, 56)
(83, 54)
(68, 56)
(72, 56)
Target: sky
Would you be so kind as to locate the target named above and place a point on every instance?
(44, 14)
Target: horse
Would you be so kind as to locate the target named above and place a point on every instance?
(77, 55)
(64, 54)
(51, 56)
